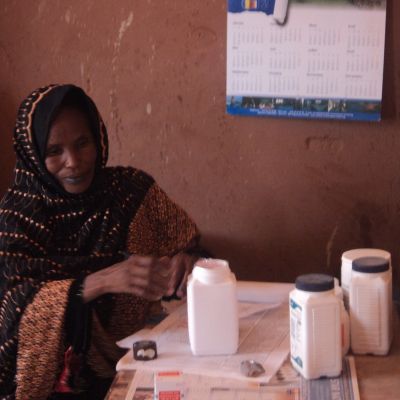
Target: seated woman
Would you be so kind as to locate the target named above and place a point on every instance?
(85, 250)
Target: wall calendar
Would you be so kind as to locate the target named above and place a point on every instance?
(306, 58)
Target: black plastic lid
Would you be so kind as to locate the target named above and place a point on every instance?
(370, 265)
(315, 282)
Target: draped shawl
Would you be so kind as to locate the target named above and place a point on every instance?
(49, 238)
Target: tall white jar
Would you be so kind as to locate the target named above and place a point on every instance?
(344, 319)
(347, 263)
(315, 327)
(213, 319)
(371, 306)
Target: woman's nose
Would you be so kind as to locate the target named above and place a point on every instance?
(72, 159)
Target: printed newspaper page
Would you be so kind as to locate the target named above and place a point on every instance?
(285, 385)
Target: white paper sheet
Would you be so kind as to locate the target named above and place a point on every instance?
(245, 310)
(263, 337)
(263, 292)
(126, 343)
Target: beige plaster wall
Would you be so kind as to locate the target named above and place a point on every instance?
(275, 197)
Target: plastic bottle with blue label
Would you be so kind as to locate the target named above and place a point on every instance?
(276, 8)
(315, 327)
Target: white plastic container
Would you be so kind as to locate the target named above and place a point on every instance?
(213, 319)
(315, 327)
(371, 306)
(344, 320)
(347, 260)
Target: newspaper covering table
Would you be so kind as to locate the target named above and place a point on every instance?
(264, 323)
(287, 384)
(263, 337)
(134, 383)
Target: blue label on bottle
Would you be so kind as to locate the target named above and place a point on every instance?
(237, 6)
(294, 305)
(298, 361)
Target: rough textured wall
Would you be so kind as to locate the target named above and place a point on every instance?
(275, 197)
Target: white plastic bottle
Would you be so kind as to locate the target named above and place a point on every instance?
(371, 306)
(347, 261)
(344, 320)
(315, 327)
(213, 319)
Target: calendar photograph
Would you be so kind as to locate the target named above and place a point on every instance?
(318, 59)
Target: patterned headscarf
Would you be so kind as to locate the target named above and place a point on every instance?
(47, 234)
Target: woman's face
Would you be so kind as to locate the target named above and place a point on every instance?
(71, 151)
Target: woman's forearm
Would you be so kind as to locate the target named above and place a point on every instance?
(93, 286)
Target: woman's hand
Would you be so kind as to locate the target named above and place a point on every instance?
(180, 265)
(142, 276)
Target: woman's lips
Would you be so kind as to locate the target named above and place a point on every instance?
(75, 180)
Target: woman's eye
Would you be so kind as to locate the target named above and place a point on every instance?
(83, 142)
(53, 151)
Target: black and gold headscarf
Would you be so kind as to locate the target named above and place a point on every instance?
(49, 238)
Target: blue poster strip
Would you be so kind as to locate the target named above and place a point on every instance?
(266, 6)
(334, 109)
